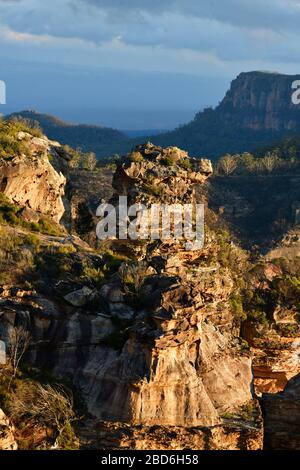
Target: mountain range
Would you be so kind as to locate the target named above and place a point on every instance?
(256, 111)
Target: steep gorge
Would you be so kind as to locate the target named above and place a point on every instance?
(147, 332)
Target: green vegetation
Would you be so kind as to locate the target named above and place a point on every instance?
(42, 412)
(236, 304)
(10, 214)
(153, 189)
(81, 160)
(249, 412)
(136, 157)
(273, 161)
(168, 161)
(10, 146)
(185, 163)
(133, 276)
(102, 141)
(259, 304)
(16, 256)
(63, 269)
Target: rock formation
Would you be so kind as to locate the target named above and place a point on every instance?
(31, 180)
(282, 418)
(157, 344)
(262, 101)
(151, 333)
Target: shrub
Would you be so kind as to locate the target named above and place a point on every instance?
(186, 164)
(168, 161)
(236, 304)
(136, 157)
(49, 407)
(132, 277)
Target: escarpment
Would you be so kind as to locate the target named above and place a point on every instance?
(169, 343)
(144, 329)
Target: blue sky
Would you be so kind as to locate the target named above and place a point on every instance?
(139, 63)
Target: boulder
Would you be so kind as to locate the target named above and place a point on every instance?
(81, 297)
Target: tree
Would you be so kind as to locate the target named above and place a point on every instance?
(89, 161)
(19, 343)
(74, 163)
(248, 162)
(269, 162)
(228, 164)
(48, 406)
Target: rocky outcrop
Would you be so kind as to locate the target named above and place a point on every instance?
(31, 180)
(107, 435)
(275, 361)
(288, 248)
(85, 191)
(282, 418)
(7, 439)
(154, 174)
(262, 101)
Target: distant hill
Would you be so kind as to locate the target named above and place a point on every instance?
(103, 141)
(256, 111)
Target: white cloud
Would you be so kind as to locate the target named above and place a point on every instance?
(206, 37)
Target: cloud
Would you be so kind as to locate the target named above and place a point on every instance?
(247, 13)
(191, 36)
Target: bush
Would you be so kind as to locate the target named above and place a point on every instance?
(136, 157)
(236, 304)
(48, 407)
(186, 164)
(168, 161)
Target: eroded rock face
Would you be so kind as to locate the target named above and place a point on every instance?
(7, 439)
(276, 342)
(107, 435)
(282, 418)
(30, 180)
(258, 100)
(181, 371)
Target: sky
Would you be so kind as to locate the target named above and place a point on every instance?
(139, 64)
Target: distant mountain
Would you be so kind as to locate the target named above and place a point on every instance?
(103, 141)
(256, 111)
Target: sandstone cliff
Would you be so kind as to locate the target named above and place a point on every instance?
(168, 347)
(30, 180)
(282, 418)
(144, 330)
(256, 112)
